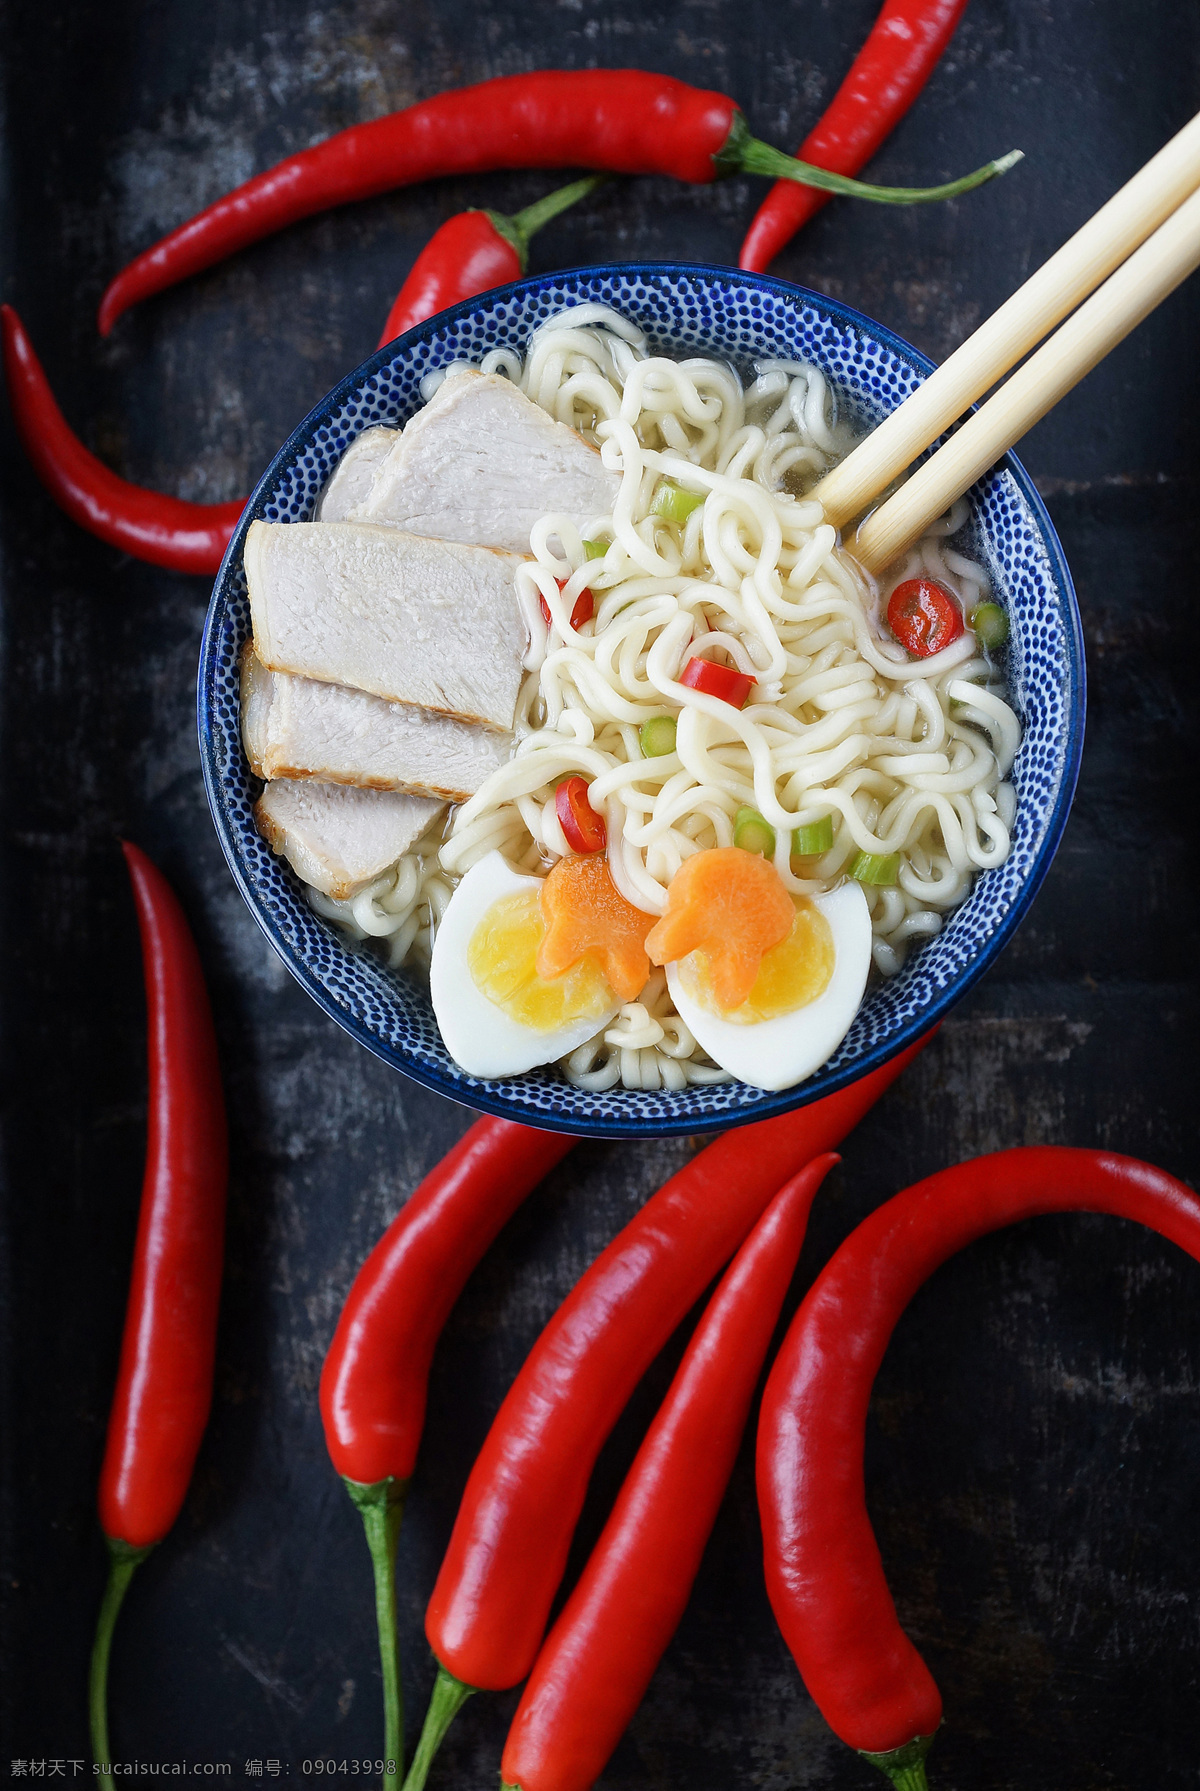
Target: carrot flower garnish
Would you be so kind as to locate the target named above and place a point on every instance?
(584, 912)
(730, 905)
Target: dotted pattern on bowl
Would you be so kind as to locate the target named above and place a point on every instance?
(739, 317)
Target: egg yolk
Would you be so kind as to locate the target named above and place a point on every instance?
(791, 974)
(502, 958)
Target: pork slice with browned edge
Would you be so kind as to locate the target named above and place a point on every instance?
(298, 727)
(355, 472)
(339, 838)
(412, 620)
(482, 462)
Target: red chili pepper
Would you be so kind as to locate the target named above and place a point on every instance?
(599, 1658)
(823, 1568)
(166, 531)
(584, 610)
(924, 616)
(583, 829)
(902, 51)
(722, 681)
(467, 256)
(164, 1382)
(622, 120)
(472, 252)
(376, 1375)
(518, 1513)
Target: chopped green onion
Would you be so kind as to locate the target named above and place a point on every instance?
(594, 550)
(673, 502)
(990, 624)
(876, 868)
(811, 841)
(657, 737)
(753, 834)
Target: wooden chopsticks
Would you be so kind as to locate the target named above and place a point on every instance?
(1108, 316)
(1144, 222)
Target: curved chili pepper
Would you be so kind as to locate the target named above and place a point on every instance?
(902, 51)
(472, 252)
(824, 1574)
(468, 255)
(167, 531)
(376, 1375)
(509, 1545)
(164, 1382)
(624, 121)
(599, 1658)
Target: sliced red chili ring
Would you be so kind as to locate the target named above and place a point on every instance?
(924, 616)
(584, 610)
(583, 829)
(722, 681)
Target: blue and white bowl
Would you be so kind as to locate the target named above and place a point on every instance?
(683, 309)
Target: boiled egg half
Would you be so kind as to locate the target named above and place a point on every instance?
(805, 995)
(496, 1015)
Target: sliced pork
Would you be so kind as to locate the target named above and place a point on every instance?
(408, 619)
(337, 838)
(482, 462)
(355, 473)
(297, 727)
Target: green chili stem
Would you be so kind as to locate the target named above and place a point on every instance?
(449, 1696)
(518, 229)
(123, 1558)
(747, 155)
(904, 1766)
(381, 1506)
(908, 1778)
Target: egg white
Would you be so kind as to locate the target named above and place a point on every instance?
(482, 1038)
(779, 1053)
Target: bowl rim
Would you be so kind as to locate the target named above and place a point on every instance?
(773, 1103)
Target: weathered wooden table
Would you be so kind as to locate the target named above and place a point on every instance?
(1034, 1455)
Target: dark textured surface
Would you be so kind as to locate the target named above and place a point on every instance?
(1034, 1458)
